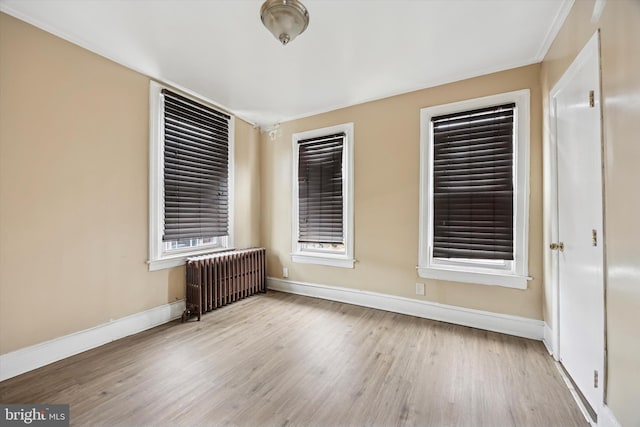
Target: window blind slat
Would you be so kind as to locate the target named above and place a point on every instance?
(473, 184)
(181, 140)
(196, 169)
(486, 111)
(175, 113)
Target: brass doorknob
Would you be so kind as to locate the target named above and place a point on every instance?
(557, 246)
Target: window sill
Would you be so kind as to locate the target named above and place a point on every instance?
(332, 261)
(181, 258)
(490, 278)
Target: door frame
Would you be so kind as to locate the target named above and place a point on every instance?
(552, 200)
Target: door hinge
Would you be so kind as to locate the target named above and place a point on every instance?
(594, 237)
(592, 99)
(595, 379)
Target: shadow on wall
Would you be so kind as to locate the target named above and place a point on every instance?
(176, 283)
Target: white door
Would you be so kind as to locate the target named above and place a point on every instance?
(580, 219)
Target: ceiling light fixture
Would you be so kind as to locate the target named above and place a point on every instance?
(286, 19)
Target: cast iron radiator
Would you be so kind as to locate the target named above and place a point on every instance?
(216, 280)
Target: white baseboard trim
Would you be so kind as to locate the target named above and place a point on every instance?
(547, 338)
(606, 418)
(503, 323)
(32, 357)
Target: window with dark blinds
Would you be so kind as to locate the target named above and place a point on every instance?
(473, 184)
(196, 170)
(320, 198)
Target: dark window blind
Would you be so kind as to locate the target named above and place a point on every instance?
(473, 184)
(320, 189)
(196, 169)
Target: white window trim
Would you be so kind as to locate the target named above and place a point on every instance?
(517, 275)
(158, 257)
(345, 259)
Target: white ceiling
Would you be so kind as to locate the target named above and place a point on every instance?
(353, 50)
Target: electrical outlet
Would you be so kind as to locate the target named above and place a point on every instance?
(285, 272)
(419, 288)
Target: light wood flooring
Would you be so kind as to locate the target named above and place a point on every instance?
(280, 359)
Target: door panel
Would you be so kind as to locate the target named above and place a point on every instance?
(580, 264)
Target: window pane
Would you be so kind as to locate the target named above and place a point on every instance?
(320, 201)
(190, 243)
(196, 172)
(473, 184)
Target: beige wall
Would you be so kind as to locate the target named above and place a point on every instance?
(386, 157)
(620, 51)
(74, 190)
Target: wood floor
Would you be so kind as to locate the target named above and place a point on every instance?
(279, 359)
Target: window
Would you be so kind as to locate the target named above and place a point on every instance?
(191, 149)
(474, 191)
(322, 225)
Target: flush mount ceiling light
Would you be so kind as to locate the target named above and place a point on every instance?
(286, 19)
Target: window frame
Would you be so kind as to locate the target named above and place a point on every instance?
(345, 258)
(159, 257)
(512, 274)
